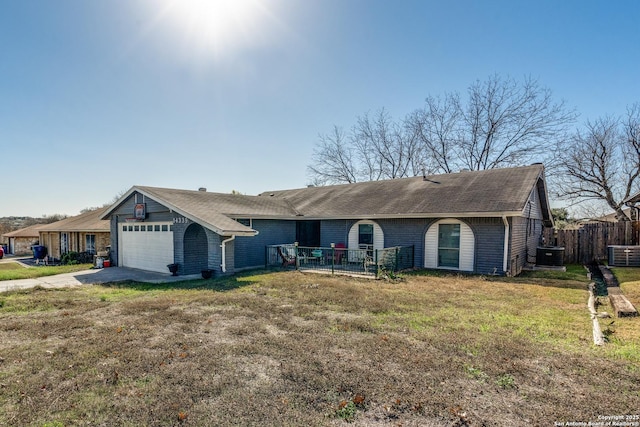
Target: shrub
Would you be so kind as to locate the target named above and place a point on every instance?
(72, 258)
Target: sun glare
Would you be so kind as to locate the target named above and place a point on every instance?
(214, 25)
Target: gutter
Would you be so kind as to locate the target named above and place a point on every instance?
(506, 243)
(392, 216)
(223, 264)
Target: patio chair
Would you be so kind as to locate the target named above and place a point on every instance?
(287, 259)
(338, 253)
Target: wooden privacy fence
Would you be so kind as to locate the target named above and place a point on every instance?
(589, 242)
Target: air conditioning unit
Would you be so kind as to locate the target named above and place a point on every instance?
(624, 256)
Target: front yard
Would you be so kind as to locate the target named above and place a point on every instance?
(16, 271)
(293, 349)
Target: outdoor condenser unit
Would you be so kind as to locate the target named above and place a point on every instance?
(550, 255)
(624, 256)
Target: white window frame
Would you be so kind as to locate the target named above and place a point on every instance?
(90, 246)
(467, 246)
(64, 243)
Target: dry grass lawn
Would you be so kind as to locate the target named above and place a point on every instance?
(10, 270)
(294, 349)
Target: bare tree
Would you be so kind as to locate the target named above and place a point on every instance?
(377, 147)
(502, 123)
(437, 128)
(602, 162)
(333, 160)
(387, 149)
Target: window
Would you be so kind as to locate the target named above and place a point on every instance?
(156, 228)
(64, 243)
(365, 234)
(365, 238)
(449, 245)
(90, 243)
(165, 227)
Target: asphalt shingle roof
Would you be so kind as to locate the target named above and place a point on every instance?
(88, 221)
(31, 231)
(492, 192)
(218, 209)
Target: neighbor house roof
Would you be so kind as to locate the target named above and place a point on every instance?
(632, 200)
(611, 217)
(31, 231)
(493, 193)
(86, 222)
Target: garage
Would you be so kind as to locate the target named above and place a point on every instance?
(147, 246)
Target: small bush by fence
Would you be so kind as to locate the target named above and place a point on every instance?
(590, 242)
(340, 260)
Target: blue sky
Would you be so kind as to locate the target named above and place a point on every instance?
(97, 96)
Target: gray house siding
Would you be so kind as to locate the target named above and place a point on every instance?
(333, 231)
(518, 253)
(489, 244)
(488, 233)
(155, 210)
(113, 231)
(215, 257)
(250, 251)
(406, 232)
(195, 254)
(526, 235)
(192, 259)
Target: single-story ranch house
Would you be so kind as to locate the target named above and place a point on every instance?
(487, 222)
(21, 241)
(86, 232)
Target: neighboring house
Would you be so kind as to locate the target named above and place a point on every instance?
(634, 210)
(487, 222)
(611, 217)
(86, 232)
(21, 241)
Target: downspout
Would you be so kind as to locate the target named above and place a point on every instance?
(224, 252)
(506, 243)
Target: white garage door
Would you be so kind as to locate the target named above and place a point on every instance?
(147, 246)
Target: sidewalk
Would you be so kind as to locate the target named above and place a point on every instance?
(94, 276)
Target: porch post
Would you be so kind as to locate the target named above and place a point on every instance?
(375, 260)
(397, 254)
(333, 257)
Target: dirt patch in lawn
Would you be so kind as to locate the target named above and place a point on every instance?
(291, 349)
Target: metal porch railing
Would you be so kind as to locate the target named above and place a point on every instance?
(337, 260)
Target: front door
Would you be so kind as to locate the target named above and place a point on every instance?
(308, 233)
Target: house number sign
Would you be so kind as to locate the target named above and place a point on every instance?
(181, 220)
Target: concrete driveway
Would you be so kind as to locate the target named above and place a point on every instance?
(93, 276)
